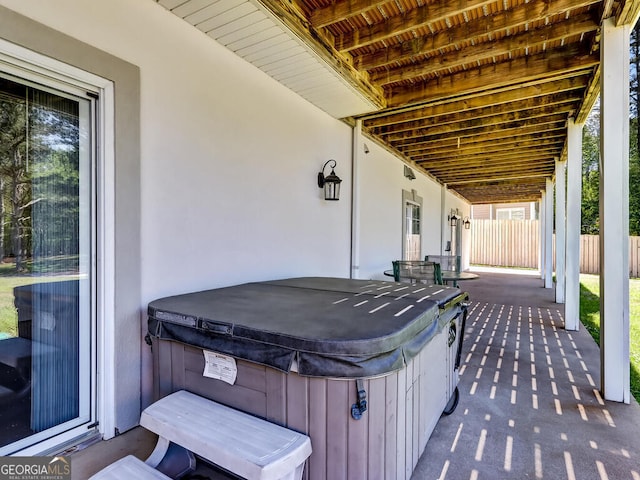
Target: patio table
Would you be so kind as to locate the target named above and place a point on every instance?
(447, 276)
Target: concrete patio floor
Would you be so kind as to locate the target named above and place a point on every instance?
(530, 405)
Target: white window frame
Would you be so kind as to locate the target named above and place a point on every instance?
(510, 211)
(26, 63)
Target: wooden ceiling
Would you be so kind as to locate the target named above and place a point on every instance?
(476, 93)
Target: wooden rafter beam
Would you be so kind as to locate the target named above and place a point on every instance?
(505, 195)
(532, 190)
(484, 144)
(560, 63)
(498, 178)
(520, 160)
(530, 91)
(513, 183)
(529, 192)
(528, 106)
(537, 126)
(511, 120)
(341, 10)
(629, 13)
(451, 180)
(478, 152)
(473, 32)
(479, 173)
(524, 176)
(528, 186)
(416, 18)
(500, 199)
(482, 52)
(505, 190)
(422, 17)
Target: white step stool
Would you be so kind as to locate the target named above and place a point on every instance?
(240, 443)
(129, 467)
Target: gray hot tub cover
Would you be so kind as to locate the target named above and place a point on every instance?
(332, 327)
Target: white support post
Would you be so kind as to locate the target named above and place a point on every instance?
(548, 235)
(356, 149)
(444, 225)
(560, 228)
(614, 212)
(574, 211)
(541, 241)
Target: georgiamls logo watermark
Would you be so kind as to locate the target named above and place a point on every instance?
(35, 468)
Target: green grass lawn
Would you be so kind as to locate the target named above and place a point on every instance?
(8, 280)
(590, 317)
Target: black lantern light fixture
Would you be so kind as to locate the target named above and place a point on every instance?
(330, 183)
(453, 218)
(467, 223)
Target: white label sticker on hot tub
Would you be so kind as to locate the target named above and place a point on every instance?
(220, 366)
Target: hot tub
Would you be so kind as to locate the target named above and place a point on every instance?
(365, 368)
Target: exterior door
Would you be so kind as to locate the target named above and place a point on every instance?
(47, 272)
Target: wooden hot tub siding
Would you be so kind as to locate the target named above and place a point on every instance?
(386, 443)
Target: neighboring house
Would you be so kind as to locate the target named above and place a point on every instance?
(199, 171)
(506, 211)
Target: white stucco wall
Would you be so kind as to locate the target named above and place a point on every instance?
(229, 156)
(382, 181)
(229, 160)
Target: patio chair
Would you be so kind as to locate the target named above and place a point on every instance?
(450, 263)
(417, 271)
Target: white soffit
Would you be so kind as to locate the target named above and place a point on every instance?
(259, 38)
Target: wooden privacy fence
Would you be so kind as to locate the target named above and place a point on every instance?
(505, 243)
(590, 255)
(515, 243)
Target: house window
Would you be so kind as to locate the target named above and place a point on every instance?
(411, 226)
(48, 232)
(515, 213)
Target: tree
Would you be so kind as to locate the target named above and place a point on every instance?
(591, 152)
(591, 173)
(13, 135)
(39, 155)
(634, 133)
(634, 81)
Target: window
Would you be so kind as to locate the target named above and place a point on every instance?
(516, 213)
(411, 223)
(47, 248)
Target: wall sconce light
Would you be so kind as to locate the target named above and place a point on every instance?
(467, 223)
(454, 220)
(331, 182)
(409, 173)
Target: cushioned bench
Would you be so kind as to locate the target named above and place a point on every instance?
(240, 443)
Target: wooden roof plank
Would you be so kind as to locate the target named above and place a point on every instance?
(563, 63)
(504, 122)
(341, 10)
(520, 107)
(469, 33)
(478, 54)
(530, 90)
(427, 14)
